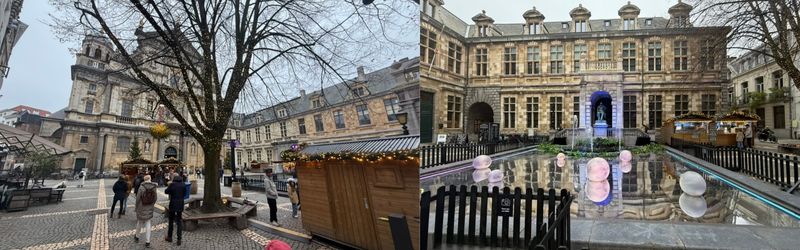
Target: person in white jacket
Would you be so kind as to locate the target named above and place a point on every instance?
(272, 197)
(82, 175)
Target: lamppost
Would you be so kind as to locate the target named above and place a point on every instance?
(402, 118)
(233, 144)
(788, 94)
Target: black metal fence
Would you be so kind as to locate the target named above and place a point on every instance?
(509, 223)
(775, 168)
(256, 182)
(440, 154)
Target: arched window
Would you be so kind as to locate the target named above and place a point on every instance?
(88, 49)
(98, 53)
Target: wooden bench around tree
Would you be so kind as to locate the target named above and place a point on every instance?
(238, 218)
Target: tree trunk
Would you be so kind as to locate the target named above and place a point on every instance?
(211, 190)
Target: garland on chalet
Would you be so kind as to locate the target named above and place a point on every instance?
(296, 155)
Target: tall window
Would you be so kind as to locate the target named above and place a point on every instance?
(269, 155)
(557, 59)
(453, 111)
(392, 107)
(238, 135)
(454, 58)
(127, 108)
(123, 144)
(577, 51)
(89, 107)
(363, 114)
(628, 24)
(681, 104)
(777, 79)
(258, 134)
(629, 111)
(283, 130)
(604, 52)
(92, 89)
(654, 111)
(576, 110)
(510, 61)
(249, 138)
(534, 65)
(629, 57)
(760, 84)
(338, 119)
(301, 126)
(267, 132)
(249, 155)
(709, 104)
(745, 91)
(580, 26)
(708, 55)
(654, 56)
(778, 117)
(556, 112)
(427, 44)
(318, 125)
(509, 112)
(258, 155)
(239, 157)
(532, 112)
(681, 55)
(481, 62)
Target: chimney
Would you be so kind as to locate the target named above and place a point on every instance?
(302, 93)
(361, 76)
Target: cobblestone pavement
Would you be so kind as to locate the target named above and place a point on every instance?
(81, 222)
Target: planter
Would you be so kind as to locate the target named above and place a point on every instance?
(194, 187)
(236, 189)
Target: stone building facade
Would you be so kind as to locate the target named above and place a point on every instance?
(108, 109)
(538, 76)
(362, 108)
(759, 85)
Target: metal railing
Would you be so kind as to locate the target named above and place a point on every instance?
(465, 216)
(440, 154)
(256, 182)
(779, 169)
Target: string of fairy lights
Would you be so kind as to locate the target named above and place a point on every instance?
(403, 155)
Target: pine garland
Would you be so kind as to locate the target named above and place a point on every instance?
(411, 154)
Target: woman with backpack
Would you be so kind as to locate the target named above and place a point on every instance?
(145, 204)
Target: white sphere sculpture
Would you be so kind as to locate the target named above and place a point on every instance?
(482, 162)
(692, 183)
(693, 206)
(597, 191)
(561, 156)
(625, 156)
(598, 169)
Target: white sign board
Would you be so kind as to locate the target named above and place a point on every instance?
(441, 138)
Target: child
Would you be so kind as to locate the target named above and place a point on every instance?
(292, 189)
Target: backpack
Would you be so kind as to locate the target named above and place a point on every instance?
(149, 196)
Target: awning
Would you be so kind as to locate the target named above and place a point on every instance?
(389, 144)
(18, 141)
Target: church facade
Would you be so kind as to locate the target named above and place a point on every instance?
(537, 76)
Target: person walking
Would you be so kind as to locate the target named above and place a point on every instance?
(293, 197)
(739, 138)
(82, 176)
(221, 172)
(197, 173)
(129, 188)
(175, 191)
(748, 136)
(272, 197)
(145, 204)
(119, 189)
(138, 183)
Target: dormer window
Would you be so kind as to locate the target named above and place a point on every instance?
(359, 91)
(481, 30)
(580, 26)
(282, 113)
(316, 102)
(607, 23)
(534, 28)
(92, 89)
(681, 21)
(628, 24)
(564, 25)
(648, 21)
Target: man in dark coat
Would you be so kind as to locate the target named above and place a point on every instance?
(137, 182)
(175, 190)
(120, 188)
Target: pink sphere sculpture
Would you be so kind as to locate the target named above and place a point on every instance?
(561, 156)
(598, 169)
(598, 191)
(625, 166)
(482, 162)
(480, 174)
(561, 163)
(625, 155)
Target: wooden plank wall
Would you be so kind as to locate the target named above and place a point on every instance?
(352, 210)
(313, 182)
(394, 189)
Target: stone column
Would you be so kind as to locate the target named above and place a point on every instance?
(100, 151)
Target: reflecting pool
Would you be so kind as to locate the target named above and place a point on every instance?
(648, 187)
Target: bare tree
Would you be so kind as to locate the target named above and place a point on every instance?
(768, 27)
(214, 52)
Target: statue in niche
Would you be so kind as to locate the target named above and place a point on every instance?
(147, 145)
(601, 113)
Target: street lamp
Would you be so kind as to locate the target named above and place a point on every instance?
(402, 118)
(233, 144)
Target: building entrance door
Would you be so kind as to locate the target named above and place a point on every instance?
(80, 163)
(426, 117)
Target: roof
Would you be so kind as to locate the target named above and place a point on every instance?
(21, 142)
(369, 146)
(595, 25)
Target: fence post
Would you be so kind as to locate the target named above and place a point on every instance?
(443, 154)
(740, 160)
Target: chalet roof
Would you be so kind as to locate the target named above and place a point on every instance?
(368, 146)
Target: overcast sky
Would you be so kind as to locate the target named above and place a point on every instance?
(39, 74)
(510, 11)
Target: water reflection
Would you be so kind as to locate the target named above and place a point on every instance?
(645, 188)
